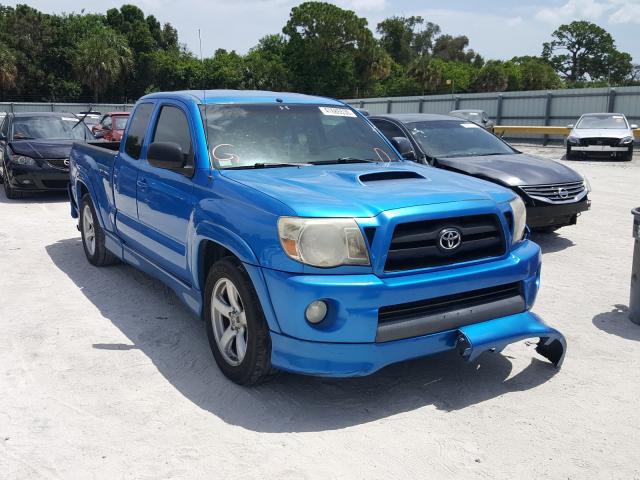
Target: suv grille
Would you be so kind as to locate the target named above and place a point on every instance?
(557, 192)
(416, 245)
(58, 163)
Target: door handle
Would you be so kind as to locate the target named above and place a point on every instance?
(142, 184)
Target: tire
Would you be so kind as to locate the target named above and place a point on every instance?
(9, 191)
(627, 157)
(93, 236)
(243, 328)
(570, 155)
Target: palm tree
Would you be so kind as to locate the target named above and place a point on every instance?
(427, 71)
(8, 70)
(101, 59)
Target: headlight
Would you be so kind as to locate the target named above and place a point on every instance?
(626, 140)
(323, 242)
(22, 160)
(573, 139)
(587, 184)
(519, 218)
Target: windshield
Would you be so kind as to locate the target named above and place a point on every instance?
(250, 135)
(120, 122)
(454, 138)
(48, 127)
(602, 121)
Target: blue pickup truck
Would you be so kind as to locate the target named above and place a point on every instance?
(303, 239)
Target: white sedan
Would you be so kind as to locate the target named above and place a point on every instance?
(601, 133)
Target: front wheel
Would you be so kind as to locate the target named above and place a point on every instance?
(570, 155)
(9, 191)
(628, 156)
(236, 328)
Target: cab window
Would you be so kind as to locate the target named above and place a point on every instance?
(137, 130)
(173, 127)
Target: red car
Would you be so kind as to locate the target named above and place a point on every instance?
(111, 126)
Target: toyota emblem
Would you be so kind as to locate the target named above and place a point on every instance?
(449, 239)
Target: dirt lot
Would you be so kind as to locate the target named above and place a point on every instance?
(104, 374)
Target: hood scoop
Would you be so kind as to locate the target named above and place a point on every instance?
(391, 175)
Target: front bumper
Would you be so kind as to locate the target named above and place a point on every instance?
(345, 343)
(600, 148)
(359, 359)
(36, 178)
(555, 215)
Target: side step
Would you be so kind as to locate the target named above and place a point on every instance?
(496, 334)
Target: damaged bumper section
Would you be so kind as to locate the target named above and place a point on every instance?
(357, 359)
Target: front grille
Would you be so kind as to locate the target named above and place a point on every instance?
(415, 245)
(448, 312)
(58, 184)
(58, 163)
(556, 192)
(611, 142)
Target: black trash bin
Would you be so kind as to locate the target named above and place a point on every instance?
(634, 300)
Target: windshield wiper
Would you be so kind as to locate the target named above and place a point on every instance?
(345, 160)
(267, 165)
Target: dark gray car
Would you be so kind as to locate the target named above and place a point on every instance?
(554, 194)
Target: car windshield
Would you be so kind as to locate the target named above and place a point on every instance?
(242, 136)
(120, 122)
(454, 138)
(609, 122)
(48, 127)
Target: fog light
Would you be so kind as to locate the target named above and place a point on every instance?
(316, 311)
(26, 182)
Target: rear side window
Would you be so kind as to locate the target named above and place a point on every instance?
(139, 124)
(173, 127)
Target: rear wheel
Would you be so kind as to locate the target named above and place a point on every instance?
(236, 328)
(93, 235)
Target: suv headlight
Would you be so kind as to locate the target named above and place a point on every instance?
(626, 140)
(587, 184)
(573, 139)
(22, 160)
(323, 242)
(519, 218)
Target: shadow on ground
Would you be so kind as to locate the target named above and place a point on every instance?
(551, 242)
(36, 197)
(617, 322)
(155, 321)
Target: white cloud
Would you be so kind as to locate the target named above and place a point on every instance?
(362, 5)
(574, 10)
(514, 22)
(625, 12)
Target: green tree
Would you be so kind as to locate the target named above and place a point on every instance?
(402, 39)
(8, 70)
(428, 72)
(101, 59)
(492, 77)
(536, 74)
(224, 70)
(327, 49)
(582, 50)
(265, 67)
(453, 49)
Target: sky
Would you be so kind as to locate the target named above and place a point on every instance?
(496, 29)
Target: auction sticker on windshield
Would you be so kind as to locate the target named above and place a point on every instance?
(469, 125)
(337, 112)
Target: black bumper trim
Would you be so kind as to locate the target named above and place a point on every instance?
(555, 215)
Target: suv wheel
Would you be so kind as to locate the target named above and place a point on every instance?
(236, 328)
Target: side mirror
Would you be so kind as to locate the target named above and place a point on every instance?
(571, 125)
(403, 145)
(490, 124)
(165, 155)
(98, 134)
(633, 126)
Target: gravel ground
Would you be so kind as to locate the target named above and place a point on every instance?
(105, 374)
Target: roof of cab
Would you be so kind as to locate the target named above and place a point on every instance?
(241, 96)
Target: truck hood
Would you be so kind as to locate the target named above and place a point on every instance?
(601, 132)
(42, 148)
(364, 189)
(513, 170)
